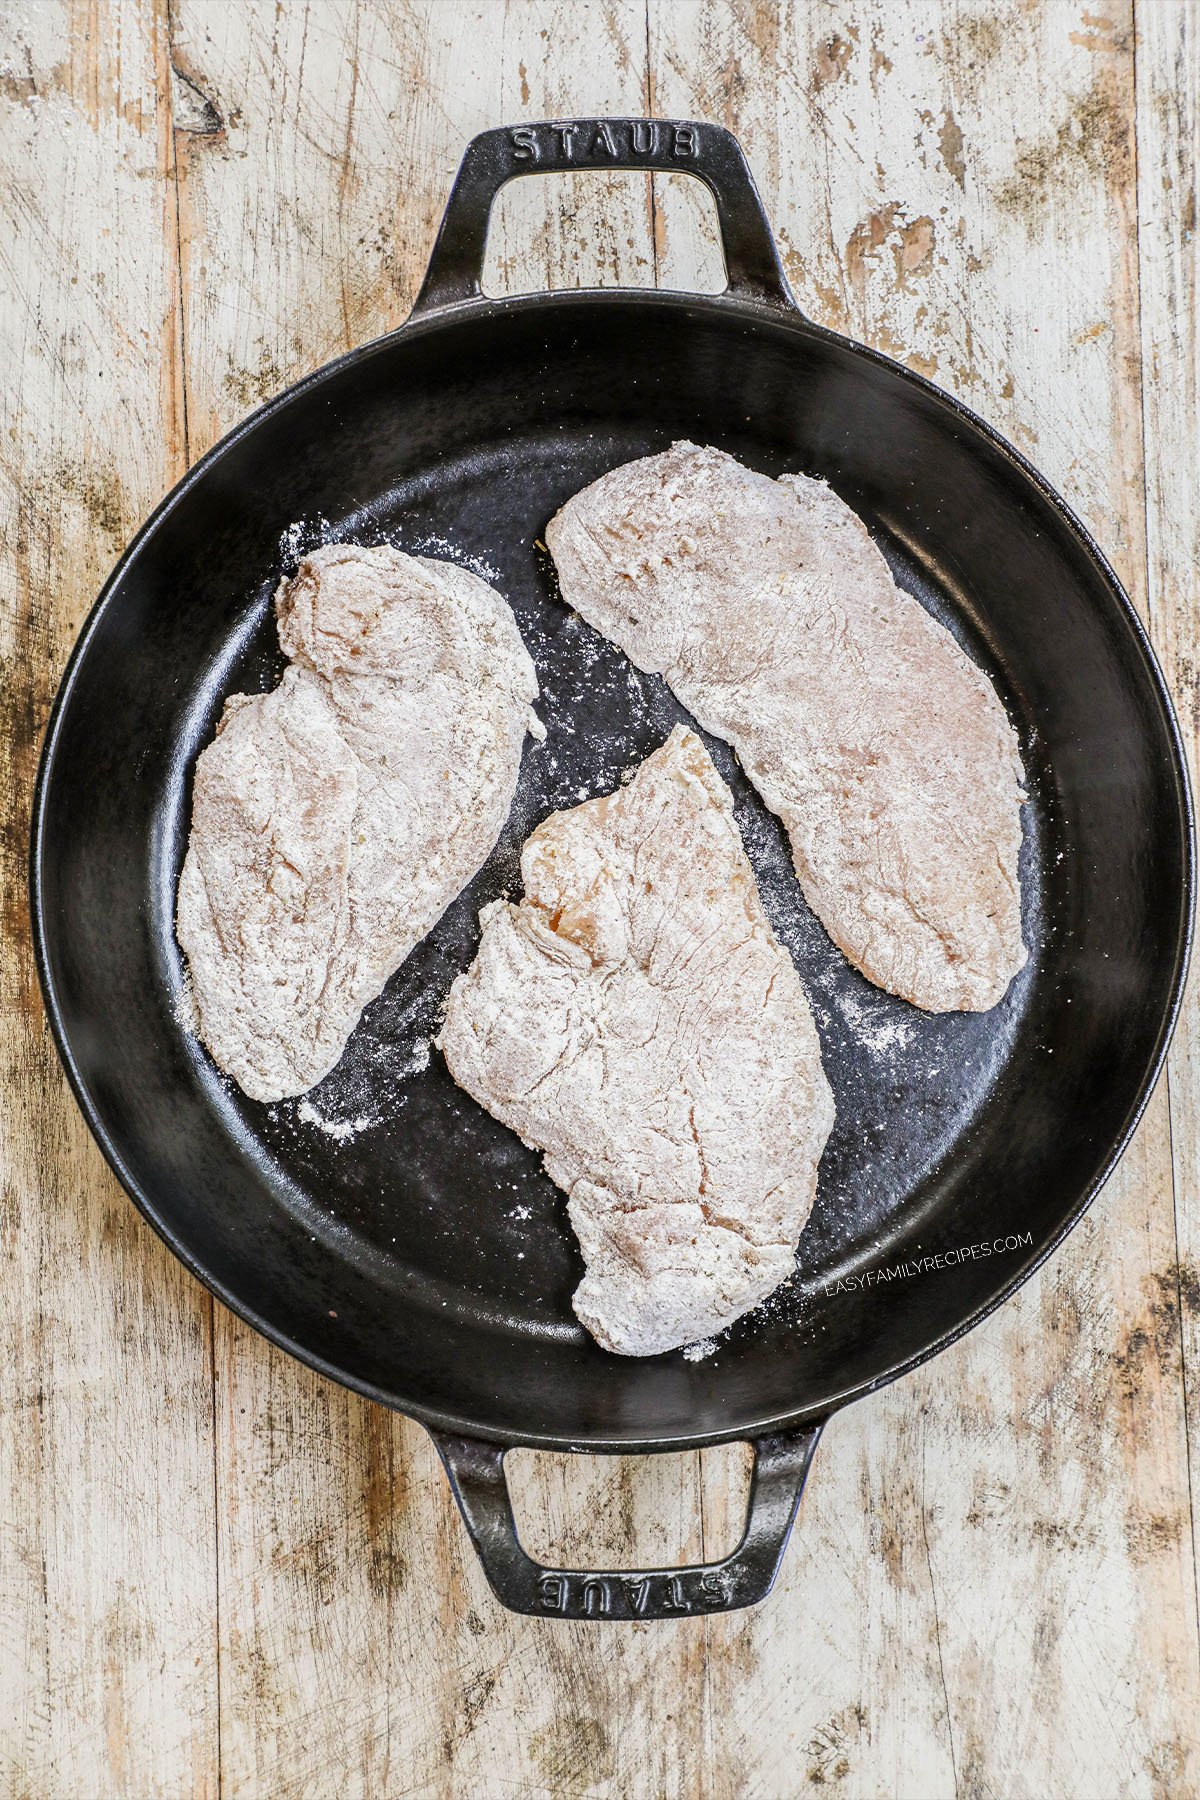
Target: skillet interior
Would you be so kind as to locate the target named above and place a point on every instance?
(424, 1257)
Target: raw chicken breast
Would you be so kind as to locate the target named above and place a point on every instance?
(636, 1019)
(879, 743)
(335, 819)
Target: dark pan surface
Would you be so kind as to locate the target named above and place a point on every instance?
(416, 1250)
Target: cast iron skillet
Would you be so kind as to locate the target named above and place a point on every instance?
(422, 1257)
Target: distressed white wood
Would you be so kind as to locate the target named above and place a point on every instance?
(992, 1587)
(1168, 144)
(1003, 1540)
(107, 1567)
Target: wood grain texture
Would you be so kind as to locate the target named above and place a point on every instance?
(959, 189)
(1168, 146)
(220, 1572)
(107, 1620)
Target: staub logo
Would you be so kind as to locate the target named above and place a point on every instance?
(600, 140)
(614, 1596)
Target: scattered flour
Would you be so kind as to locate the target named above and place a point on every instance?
(302, 536)
(184, 1010)
(412, 1060)
(432, 545)
(339, 1129)
(698, 1352)
(877, 1034)
(305, 535)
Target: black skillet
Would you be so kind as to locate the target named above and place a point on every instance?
(419, 1254)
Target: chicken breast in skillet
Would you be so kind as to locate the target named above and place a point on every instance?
(883, 748)
(635, 1019)
(335, 819)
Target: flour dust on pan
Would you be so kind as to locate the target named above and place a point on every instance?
(371, 1138)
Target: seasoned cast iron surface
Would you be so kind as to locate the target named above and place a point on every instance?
(907, 1084)
(387, 1227)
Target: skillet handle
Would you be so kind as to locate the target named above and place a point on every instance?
(689, 146)
(476, 1472)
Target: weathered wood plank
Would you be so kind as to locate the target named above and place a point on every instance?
(1168, 146)
(992, 1590)
(361, 1649)
(107, 1624)
(1002, 1539)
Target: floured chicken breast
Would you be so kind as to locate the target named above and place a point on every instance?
(879, 743)
(636, 1019)
(335, 819)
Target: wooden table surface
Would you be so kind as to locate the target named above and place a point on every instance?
(221, 1574)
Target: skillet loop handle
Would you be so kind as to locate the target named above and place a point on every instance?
(685, 146)
(476, 1472)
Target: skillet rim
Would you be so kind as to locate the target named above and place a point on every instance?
(423, 321)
